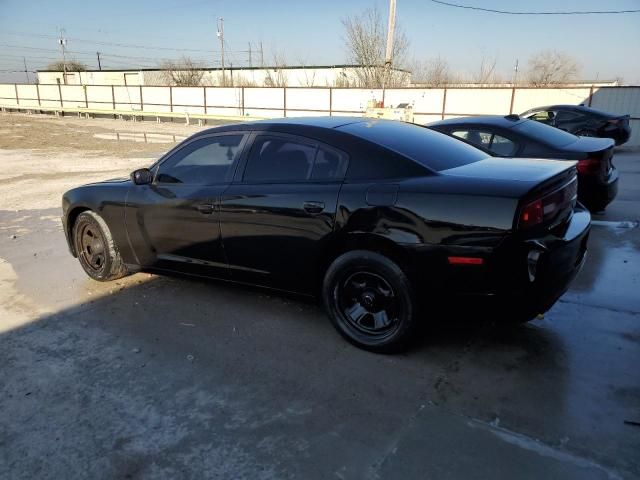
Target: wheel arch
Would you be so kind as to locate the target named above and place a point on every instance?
(363, 241)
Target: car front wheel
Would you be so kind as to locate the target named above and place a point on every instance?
(96, 249)
(370, 301)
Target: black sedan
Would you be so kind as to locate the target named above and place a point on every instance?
(370, 215)
(512, 136)
(583, 121)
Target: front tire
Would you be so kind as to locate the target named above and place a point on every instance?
(96, 249)
(370, 301)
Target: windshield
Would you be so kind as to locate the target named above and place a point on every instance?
(434, 150)
(545, 133)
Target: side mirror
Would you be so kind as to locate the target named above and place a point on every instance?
(142, 176)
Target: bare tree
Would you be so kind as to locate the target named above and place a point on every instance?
(182, 73)
(72, 66)
(434, 72)
(365, 41)
(551, 67)
(309, 75)
(277, 76)
(486, 74)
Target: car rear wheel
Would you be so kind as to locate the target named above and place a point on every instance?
(96, 249)
(370, 301)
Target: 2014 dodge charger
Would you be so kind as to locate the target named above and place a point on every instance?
(379, 218)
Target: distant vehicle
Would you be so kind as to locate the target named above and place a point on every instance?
(377, 217)
(512, 136)
(583, 121)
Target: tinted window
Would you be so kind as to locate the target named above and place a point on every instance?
(329, 165)
(202, 162)
(279, 160)
(434, 150)
(545, 134)
(488, 140)
(567, 116)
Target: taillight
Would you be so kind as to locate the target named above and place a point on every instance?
(590, 166)
(532, 214)
(549, 208)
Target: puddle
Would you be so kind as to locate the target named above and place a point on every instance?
(141, 137)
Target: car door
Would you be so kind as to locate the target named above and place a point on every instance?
(279, 213)
(174, 223)
(494, 141)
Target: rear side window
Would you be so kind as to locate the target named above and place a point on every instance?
(432, 149)
(545, 134)
(488, 140)
(275, 159)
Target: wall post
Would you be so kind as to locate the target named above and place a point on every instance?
(330, 101)
(60, 95)
(15, 88)
(444, 102)
(38, 93)
(284, 93)
(113, 101)
(513, 94)
(242, 100)
(204, 92)
(170, 98)
(590, 95)
(86, 100)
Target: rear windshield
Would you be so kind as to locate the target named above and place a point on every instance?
(434, 150)
(545, 133)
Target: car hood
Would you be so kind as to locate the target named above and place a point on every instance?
(589, 145)
(110, 181)
(529, 170)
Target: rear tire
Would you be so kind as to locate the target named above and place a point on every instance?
(95, 248)
(370, 301)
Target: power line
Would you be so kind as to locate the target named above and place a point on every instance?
(508, 12)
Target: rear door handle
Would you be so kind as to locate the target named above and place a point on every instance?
(205, 208)
(313, 207)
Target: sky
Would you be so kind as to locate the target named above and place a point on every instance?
(133, 34)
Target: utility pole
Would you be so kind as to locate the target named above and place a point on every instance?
(63, 45)
(99, 64)
(388, 57)
(250, 62)
(220, 34)
(515, 73)
(261, 56)
(26, 72)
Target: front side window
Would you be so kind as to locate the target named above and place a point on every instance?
(487, 140)
(205, 161)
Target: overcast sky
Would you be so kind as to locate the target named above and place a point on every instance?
(606, 46)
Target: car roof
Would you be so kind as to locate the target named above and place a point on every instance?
(295, 122)
(575, 108)
(493, 120)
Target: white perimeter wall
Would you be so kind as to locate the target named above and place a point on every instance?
(429, 104)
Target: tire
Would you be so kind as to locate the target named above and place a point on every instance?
(95, 248)
(370, 301)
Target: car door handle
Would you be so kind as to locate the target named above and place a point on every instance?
(313, 207)
(205, 208)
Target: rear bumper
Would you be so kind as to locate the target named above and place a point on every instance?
(560, 258)
(595, 193)
(505, 278)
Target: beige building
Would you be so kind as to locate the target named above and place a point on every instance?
(294, 76)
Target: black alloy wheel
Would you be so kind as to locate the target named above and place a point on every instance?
(95, 248)
(370, 301)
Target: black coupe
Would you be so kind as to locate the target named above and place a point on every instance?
(371, 215)
(583, 121)
(512, 136)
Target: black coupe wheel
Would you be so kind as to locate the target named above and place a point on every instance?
(96, 249)
(370, 301)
